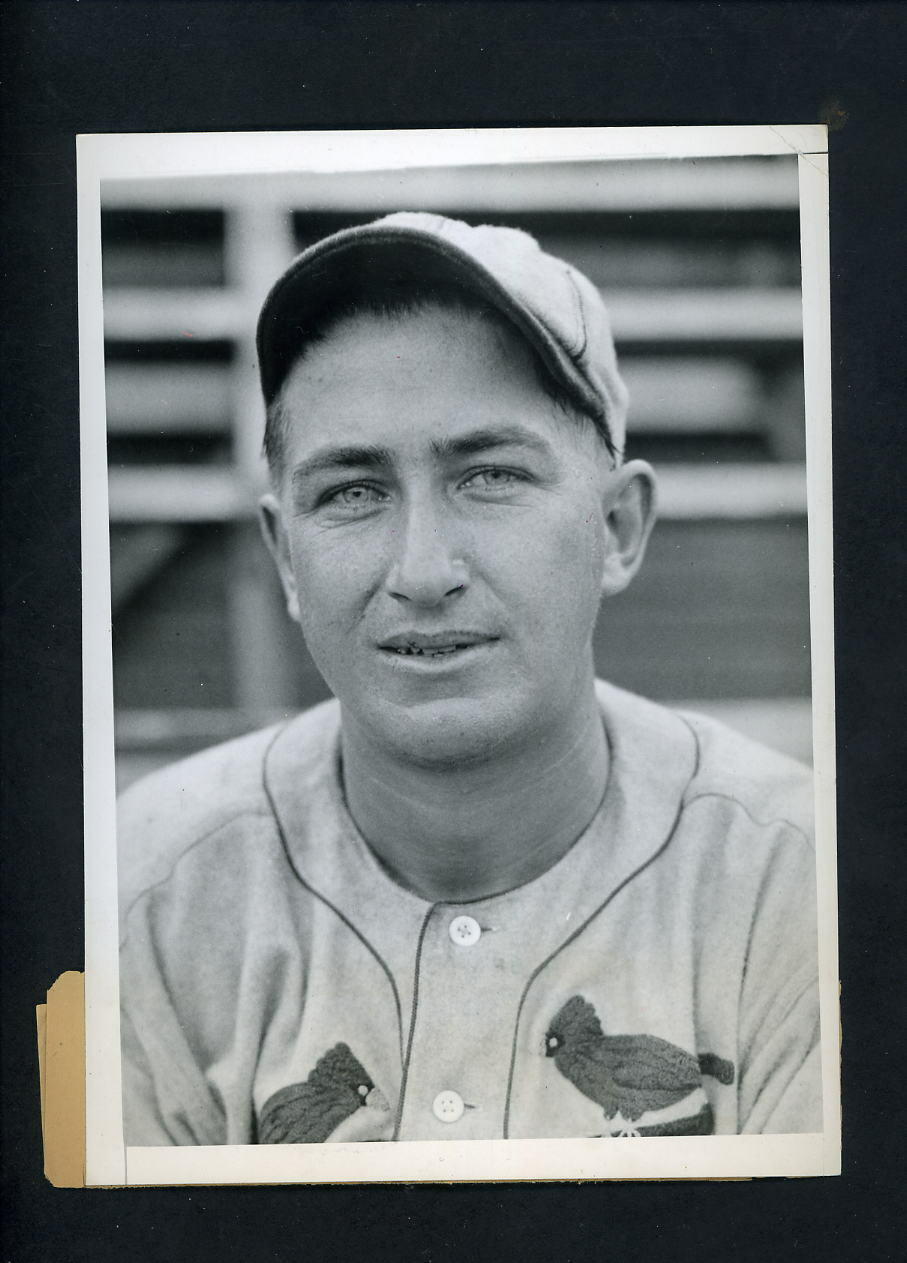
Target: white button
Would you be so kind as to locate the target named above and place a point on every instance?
(464, 931)
(448, 1106)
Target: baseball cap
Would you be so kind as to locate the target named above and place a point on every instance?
(553, 305)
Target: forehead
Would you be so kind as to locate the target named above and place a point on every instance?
(434, 367)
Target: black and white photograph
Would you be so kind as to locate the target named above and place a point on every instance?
(458, 666)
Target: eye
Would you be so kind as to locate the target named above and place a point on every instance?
(354, 498)
(493, 478)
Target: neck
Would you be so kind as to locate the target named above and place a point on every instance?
(457, 834)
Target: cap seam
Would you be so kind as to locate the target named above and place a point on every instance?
(578, 302)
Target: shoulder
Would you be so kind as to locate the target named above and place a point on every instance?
(772, 790)
(710, 767)
(165, 815)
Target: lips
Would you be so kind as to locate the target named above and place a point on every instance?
(435, 645)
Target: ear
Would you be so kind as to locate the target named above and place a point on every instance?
(630, 507)
(274, 532)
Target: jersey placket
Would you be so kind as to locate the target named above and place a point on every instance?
(469, 975)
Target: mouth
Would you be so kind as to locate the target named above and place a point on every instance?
(439, 645)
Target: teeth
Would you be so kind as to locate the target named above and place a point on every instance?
(413, 650)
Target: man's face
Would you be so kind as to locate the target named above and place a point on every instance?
(441, 532)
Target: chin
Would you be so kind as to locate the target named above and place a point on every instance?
(451, 733)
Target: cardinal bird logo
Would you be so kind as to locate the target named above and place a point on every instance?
(307, 1113)
(629, 1075)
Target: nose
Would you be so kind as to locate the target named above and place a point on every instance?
(426, 569)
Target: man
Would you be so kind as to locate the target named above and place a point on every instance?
(481, 894)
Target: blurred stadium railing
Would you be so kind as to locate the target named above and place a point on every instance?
(700, 265)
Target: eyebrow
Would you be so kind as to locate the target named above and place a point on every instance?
(331, 458)
(485, 439)
(372, 457)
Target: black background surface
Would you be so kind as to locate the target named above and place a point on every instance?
(73, 67)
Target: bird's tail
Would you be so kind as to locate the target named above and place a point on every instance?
(716, 1067)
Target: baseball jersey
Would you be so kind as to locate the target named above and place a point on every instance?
(278, 986)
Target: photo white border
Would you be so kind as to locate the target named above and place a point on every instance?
(171, 155)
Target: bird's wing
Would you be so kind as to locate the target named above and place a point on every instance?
(644, 1061)
(308, 1112)
(590, 1074)
(306, 1117)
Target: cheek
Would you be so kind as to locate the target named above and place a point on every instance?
(559, 570)
(332, 581)
(569, 548)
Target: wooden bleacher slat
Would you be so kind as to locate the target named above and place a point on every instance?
(706, 315)
(724, 184)
(177, 494)
(691, 395)
(138, 315)
(728, 492)
(168, 398)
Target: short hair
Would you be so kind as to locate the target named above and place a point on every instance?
(409, 298)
